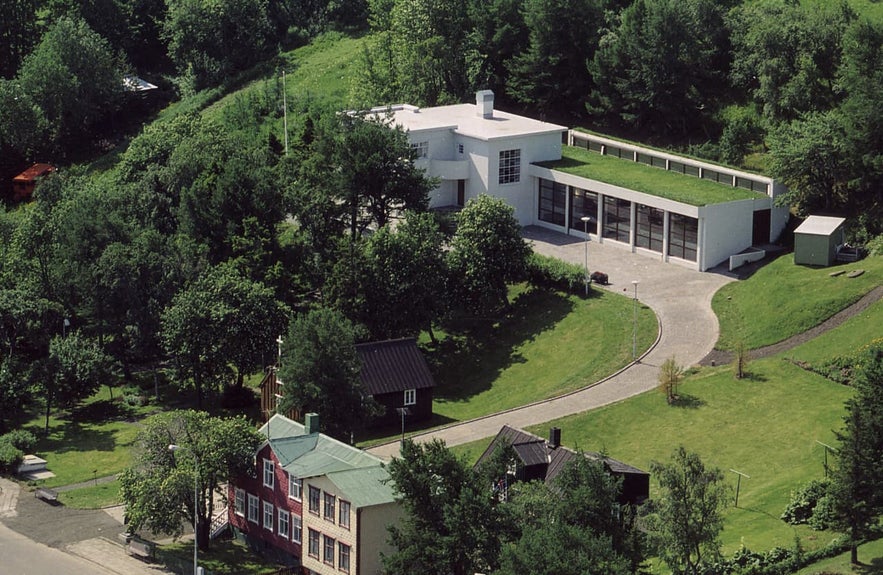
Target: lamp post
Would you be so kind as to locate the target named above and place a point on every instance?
(635, 326)
(403, 411)
(585, 221)
(173, 448)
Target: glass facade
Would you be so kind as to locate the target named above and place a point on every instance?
(553, 202)
(683, 236)
(617, 219)
(583, 203)
(649, 228)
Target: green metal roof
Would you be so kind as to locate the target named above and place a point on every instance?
(365, 486)
(357, 473)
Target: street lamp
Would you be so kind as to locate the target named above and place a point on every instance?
(173, 448)
(585, 220)
(403, 411)
(635, 327)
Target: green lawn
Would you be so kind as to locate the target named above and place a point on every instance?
(766, 427)
(869, 554)
(782, 299)
(225, 557)
(92, 497)
(550, 344)
(646, 179)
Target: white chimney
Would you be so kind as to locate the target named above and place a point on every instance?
(484, 103)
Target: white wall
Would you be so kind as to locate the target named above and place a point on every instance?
(724, 230)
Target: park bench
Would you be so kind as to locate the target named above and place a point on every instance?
(143, 549)
(46, 494)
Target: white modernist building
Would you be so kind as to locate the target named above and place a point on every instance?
(652, 202)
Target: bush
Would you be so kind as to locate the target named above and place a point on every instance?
(545, 271)
(823, 515)
(875, 246)
(804, 501)
(10, 457)
(20, 439)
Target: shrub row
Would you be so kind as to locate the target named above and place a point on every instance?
(545, 271)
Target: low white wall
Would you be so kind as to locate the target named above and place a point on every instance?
(739, 260)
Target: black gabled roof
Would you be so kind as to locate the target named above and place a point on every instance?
(534, 450)
(393, 365)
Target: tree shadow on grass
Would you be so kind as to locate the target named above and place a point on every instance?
(476, 351)
(76, 437)
(875, 567)
(687, 401)
(102, 411)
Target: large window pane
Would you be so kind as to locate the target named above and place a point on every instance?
(583, 203)
(682, 237)
(553, 202)
(617, 219)
(648, 233)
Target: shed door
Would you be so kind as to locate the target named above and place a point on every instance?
(760, 234)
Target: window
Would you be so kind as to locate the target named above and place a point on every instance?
(329, 507)
(268, 473)
(510, 166)
(239, 502)
(295, 487)
(297, 528)
(459, 148)
(268, 515)
(253, 506)
(410, 396)
(314, 500)
(553, 202)
(649, 228)
(344, 517)
(421, 149)
(343, 557)
(283, 523)
(328, 550)
(313, 547)
(617, 219)
(583, 203)
(683, 232)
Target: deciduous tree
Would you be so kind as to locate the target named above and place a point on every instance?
(687, 521)
(487, 253)
(159, 489)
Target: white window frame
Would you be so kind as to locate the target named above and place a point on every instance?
(254, 507)
(297, 528)
(283, 523)
(343, 514)
(329, 506)
(410, 397)
(422, 149)
(239, 501)
(295, 488)
(510, 166)
(269, 473)
(269, 512)
(341, 564)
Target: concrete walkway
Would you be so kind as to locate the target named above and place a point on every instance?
(681, 299)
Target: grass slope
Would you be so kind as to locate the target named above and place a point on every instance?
(782, 299)
(550, 344)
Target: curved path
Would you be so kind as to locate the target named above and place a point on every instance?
(681, 299)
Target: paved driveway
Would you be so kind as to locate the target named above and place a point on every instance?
(681, 299)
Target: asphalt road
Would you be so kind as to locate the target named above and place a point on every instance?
(22, 556)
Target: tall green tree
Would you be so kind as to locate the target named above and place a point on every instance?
(200, 34)
(74, 369)
(487, 253)
(73, 76)
(497, 34)
(857, 487)
(663, 66)
(787, 55)
(451, 525)
(403, 278)
(550, 74)
(320, 372)
(687, 521)
(159, 488)
(18, 33)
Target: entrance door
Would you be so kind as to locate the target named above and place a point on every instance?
(461, 192)
(760, 234)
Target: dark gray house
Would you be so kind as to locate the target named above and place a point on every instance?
(542, 459)
(396, 375)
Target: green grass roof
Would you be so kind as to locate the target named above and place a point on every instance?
(643, 178)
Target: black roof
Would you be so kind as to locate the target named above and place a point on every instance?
(393, 365)
(534, 450)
